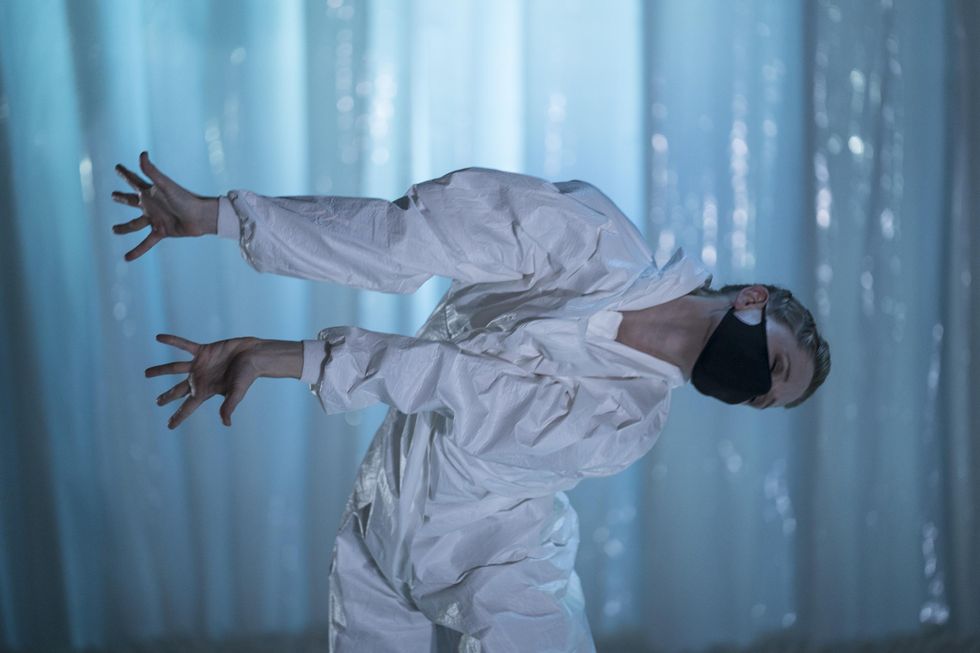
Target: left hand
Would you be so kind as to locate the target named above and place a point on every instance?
(168, 208)
(225, 367)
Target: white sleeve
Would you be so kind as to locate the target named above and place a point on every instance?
(473, 225)
(228, 226)
(500, 412)
(313, 354)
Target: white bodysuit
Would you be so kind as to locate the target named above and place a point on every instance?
(458, 532)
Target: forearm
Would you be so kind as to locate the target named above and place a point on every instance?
(344, 240)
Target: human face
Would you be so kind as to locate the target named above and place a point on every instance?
(790, 365)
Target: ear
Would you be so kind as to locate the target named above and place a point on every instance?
(752, 297)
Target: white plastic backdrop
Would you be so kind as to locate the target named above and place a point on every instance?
(801, 144)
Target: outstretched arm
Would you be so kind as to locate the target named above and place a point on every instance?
(473, 225)
(500, 412)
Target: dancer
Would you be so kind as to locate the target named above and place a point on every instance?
(550, 359)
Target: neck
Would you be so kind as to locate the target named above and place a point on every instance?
(675, 331)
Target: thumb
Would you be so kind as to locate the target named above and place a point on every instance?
(228, 405)
(239, 381)
(157, 177)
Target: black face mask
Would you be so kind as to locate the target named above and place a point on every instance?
(734, 364)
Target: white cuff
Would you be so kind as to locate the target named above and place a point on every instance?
(314, 351)
(228, 225)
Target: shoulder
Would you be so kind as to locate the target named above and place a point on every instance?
(591, 196)
(477, 176)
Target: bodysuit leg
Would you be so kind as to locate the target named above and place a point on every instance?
(366, 613)
(531, 604)
(518, 607)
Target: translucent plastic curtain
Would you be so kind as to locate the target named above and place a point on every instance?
(802, 144)
(959, 419)
(113, 526)
(874, 562)
(720, 518)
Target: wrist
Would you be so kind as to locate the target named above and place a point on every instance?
(278, 359)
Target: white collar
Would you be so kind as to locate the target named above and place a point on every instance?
(678, 276)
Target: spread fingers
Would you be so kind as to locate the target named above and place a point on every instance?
(152, 239)
(133, 225)
(129, 199)
(177, 341)
(180, 390)
(178, 367)
(189, 406)
(131, 178)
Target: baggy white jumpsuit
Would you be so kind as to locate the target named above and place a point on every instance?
(458, 534)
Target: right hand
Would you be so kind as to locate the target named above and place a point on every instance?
(169, 209)
(227, 367)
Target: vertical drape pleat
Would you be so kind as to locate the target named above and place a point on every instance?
(958, 416)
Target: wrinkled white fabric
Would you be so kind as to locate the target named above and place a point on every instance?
(513, 391)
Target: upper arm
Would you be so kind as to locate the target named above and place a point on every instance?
(499, 224)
